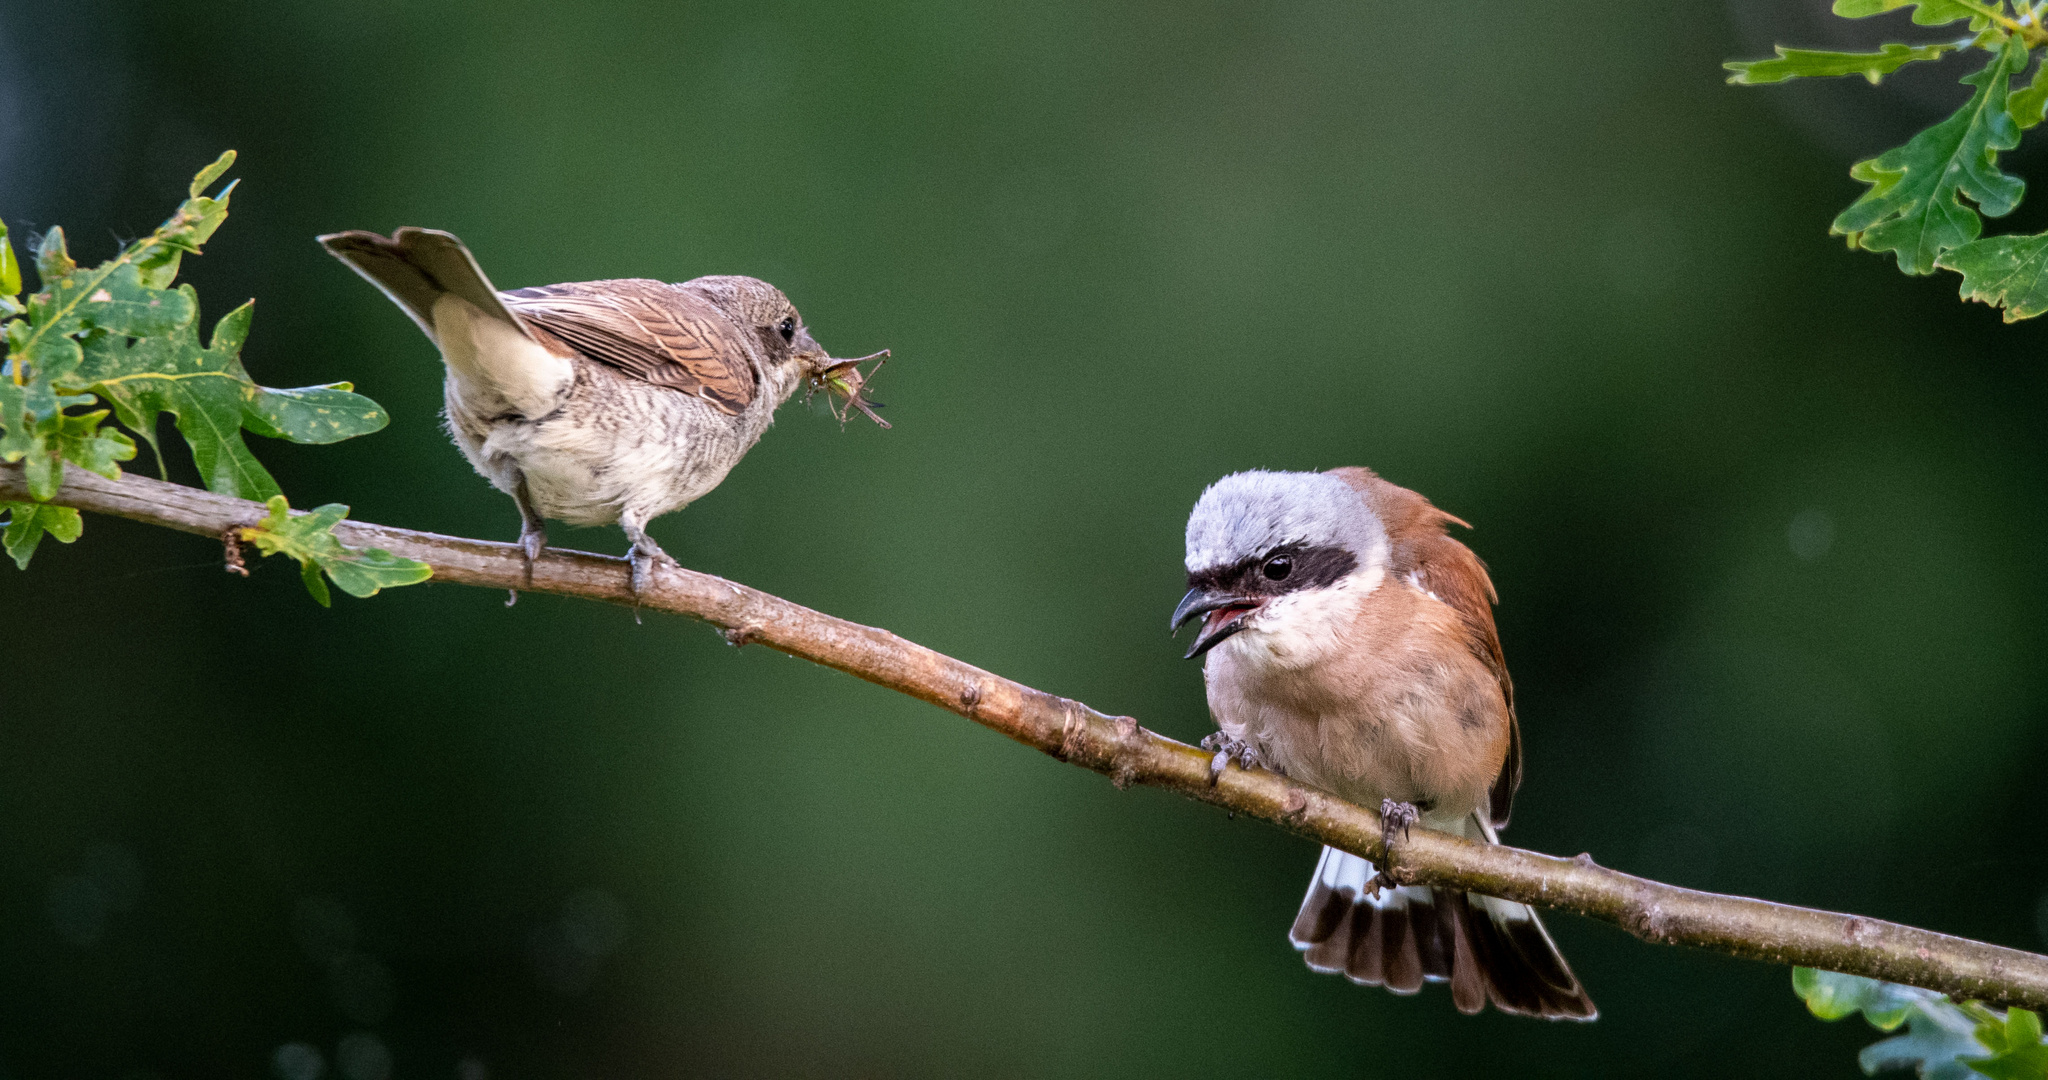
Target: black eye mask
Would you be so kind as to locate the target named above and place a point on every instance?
(1312, 568)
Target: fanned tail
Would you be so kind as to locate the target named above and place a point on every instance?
(501, 364)
(416, 267)
(1488, 949)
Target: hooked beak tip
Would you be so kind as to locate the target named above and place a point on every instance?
(1205, 602)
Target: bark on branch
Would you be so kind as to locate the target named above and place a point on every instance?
(1127, 753)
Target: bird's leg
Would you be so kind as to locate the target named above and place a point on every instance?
(1227, 749)
(644, 555)
(533, 533)
(1395, 817)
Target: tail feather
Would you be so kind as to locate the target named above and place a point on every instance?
(1488, 949)
(497, 363)
(415, 267)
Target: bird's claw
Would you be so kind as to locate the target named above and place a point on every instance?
(532, 541)
(1396, 817)
(643, 560)
(1228, 749)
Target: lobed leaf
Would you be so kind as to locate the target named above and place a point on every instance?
(41, 436)
(309, 538)
(212, 398)
(1807, 63)
(119, 331)
(202, 387)
(1914, 206)
(17, 424)
(1832, 995)
(1940, 1044)
(2009, 272)
(212, 172)
(28, 523)
(1925, 12)
(2017, 1049)
(76, 439)
(53, 260)
(182, 234)
(1942, 1041)
(2028, 103)
(111, 297)
(313, 414)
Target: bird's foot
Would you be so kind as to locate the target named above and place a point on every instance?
(1227, 750)
(641, 557)
(1395, 817)
(533, 539)
(644, 557)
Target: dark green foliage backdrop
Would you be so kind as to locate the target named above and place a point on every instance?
(1765, 516)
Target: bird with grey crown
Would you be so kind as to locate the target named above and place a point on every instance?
(1349, 643)
(600, 402)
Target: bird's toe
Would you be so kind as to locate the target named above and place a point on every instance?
(1229, 749)
(1396, 817)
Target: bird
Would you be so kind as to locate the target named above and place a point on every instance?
(1348, 642)
(600, 402)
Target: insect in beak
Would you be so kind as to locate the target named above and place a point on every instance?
(845, 386)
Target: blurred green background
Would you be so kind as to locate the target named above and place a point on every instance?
(1765, 517)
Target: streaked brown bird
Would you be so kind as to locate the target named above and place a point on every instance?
(597, 402)
(1350, 644)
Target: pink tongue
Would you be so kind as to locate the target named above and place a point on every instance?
(1220, 616)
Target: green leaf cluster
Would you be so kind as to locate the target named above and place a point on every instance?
(1913, 207)
(1927, 200)
(309, 538)
(1943, 1040)
(122, 337)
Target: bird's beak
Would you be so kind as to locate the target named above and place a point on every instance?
(1225, 614)
(807, 350)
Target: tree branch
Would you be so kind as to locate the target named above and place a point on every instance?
(1128, 754)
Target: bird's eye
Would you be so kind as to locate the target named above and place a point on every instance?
(1277, 568)
(788, 329)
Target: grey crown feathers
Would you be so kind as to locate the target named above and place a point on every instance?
(1247, 514)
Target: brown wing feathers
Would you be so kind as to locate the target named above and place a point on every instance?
(649, 330)
(1450, 570)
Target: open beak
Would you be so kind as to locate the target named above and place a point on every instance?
(1222, 614)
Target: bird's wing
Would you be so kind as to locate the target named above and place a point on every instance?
(649, 330)
(1455, 575)
(1449, 571)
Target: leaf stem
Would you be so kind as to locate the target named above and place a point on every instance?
(2029, 35)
